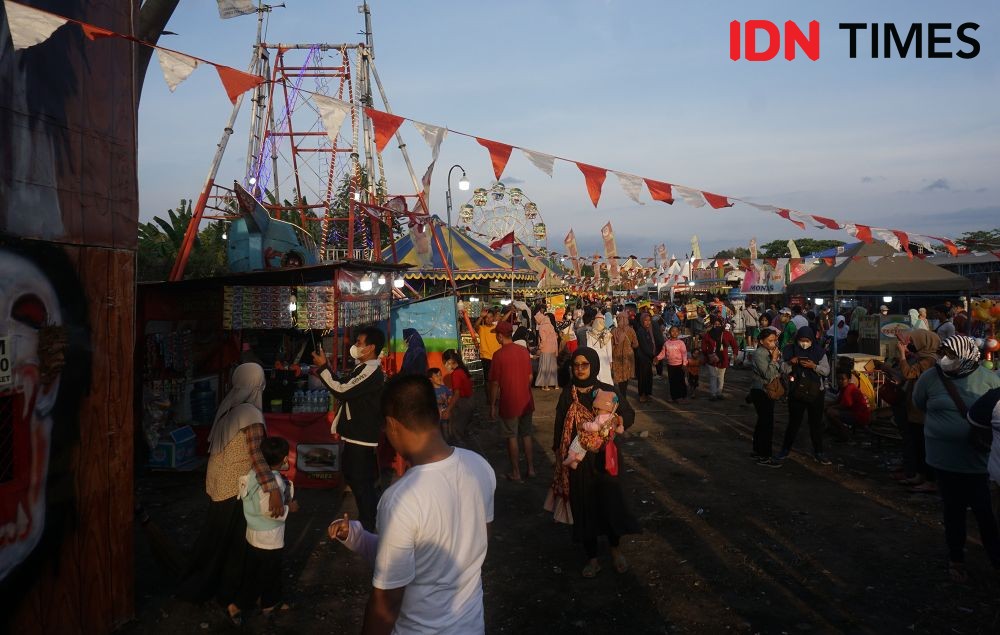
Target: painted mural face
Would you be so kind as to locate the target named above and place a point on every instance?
(34, 342)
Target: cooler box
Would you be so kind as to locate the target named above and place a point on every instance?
(176, 450)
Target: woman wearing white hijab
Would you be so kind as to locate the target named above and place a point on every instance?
(219, 554)
(599, 339)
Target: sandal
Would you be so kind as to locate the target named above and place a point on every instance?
(956, 571)
(233, 612)
(280, 608)
(621, 564)
(591, 570)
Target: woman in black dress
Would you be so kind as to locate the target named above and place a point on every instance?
(590, 497)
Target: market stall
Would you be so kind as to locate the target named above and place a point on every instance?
(190, 335)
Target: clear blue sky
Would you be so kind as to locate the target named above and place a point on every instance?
(639, 86)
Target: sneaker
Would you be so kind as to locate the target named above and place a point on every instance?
(768, 462)
(781, 456)
(822, 459)
(755, 456)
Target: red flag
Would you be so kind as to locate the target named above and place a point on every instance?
(660, 191)
(784, 213)
(863, 232)
(237, 82)
(829, 261)
(904, 240)
(500, 242)
(386, 124)
(499, 154)
(950, 246)
(829, 222)
(715, 200)
(595, 180)
(94, 32)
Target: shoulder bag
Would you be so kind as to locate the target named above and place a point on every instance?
(980, 437)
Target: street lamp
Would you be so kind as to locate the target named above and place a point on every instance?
(463, 185)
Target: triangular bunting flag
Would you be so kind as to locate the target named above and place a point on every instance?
(829, 261)
(660, 191)
(386, 124)
(826, 222)
(716, 201)
(332, 112)
(786, 214)
(433, 135)
(763, 207)
(176, 67)
(904, 240)
(888, 237)
(543, 162)
(631, 185)
(499, 154)
(95, 32)
(595, 180)
(29, 26)
(861, 232)
(232, 8)
(950, 246)
(691, 197)
(237, 82)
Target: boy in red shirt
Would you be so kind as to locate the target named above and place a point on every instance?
(511, 399)
(851, 410)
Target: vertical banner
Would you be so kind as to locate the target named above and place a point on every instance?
(610, 250)
(574, 253)
(661, 257)
(695, 248)
(753, 248)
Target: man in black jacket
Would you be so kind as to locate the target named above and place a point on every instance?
(650, 344)
(359, 420)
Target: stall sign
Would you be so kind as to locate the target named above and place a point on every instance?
(893, 325)
(869, 333)
(6, 375)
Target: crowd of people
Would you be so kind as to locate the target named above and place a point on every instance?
(946, 406)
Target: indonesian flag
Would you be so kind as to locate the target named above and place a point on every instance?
(505, 245)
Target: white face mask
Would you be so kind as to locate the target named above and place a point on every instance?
(805, 345)
(949, 363)
(356, 352)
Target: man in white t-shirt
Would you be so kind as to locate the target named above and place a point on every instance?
(433, 524)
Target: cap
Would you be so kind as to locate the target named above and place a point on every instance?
(883, 308)
(504, 328)
(786, 311)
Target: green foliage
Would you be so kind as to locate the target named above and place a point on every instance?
(340, 209)
(735, 252)
(160, 242)
(982, 240)
(779, 248)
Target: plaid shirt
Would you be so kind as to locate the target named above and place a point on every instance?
(254, 435)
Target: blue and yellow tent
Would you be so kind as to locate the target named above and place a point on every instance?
(472, 259)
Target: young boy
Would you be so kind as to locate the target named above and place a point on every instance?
(850, 411)
(695, 359)
(443, 394)
(265, 535)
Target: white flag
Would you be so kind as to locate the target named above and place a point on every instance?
(175, 66)
(631, 185)
(543, 162)
(793, 249)
(29, 26)
(763, 208)
(332, 112)
(233, 8)
(690, 196)
(433, 135)
(889, 237)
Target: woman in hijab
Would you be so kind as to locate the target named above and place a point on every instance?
(839, 332)
(219, 554)
(548, 348)
(917, 355)
(807, 368)
(415, 358)
(944, 393)
(716, 345)
(856, 315)
(623, 345)
(918, 319)
(590, 496)
(599, 339)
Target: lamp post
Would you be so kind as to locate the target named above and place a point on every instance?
(463, 184)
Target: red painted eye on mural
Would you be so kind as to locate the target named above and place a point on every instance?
(30, 311)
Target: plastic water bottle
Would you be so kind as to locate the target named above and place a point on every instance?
(297, 401)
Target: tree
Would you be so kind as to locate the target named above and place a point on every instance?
(735, 252)
(779, 248)
(982, 240)
(160, 241)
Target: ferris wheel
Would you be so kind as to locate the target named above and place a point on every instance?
(495, 212)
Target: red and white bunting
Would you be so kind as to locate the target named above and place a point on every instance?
(29, 26)
(386, 124)
(433, 135)
(176, 67)
(594, 177)
(660, 191)
(717, 201)
(234, 8)
(691, 196)
(861, 232)
(237, 82)
(543, 162)
(499, 154)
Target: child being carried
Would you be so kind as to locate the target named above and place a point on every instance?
(595, 433)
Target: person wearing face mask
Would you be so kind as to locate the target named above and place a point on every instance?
(944, 394)
(359, 421)
(806, 367)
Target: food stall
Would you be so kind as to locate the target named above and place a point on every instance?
(192, 333)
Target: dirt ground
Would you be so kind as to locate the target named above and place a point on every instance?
(727, 546)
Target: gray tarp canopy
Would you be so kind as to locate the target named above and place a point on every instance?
(898, 273)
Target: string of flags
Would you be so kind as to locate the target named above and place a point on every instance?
(29, 27)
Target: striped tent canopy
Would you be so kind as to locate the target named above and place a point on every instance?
(473, 260)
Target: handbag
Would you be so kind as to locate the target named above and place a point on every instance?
(980, 437)
(891, 393)
(774, 389)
